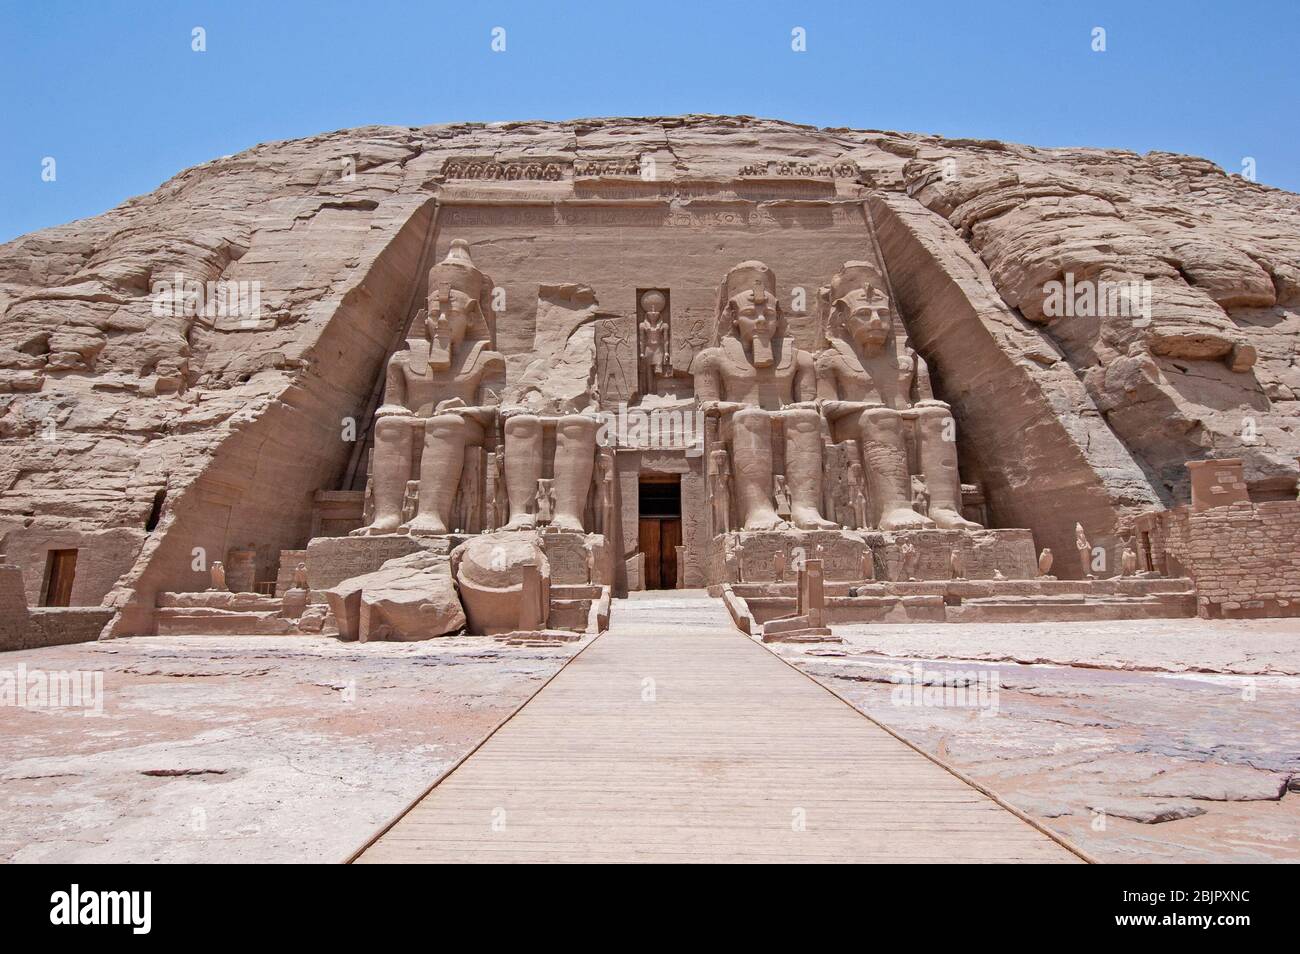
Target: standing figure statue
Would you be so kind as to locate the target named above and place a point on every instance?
(654, 339)
(720, 490)
(874, 387)
(753, 377)
(1085, 551)
(440, 390)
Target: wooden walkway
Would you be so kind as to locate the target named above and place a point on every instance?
(673, 738)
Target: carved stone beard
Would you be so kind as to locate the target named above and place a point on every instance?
(441, 343)
(759, 347)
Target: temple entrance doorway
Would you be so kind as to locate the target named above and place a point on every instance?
(660, 528)
(60, 567)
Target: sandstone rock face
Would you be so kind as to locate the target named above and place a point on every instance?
(1220, 256)
(180, 375)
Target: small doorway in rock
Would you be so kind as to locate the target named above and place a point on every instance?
(660, 528)
(60, 567)
(1146, 550)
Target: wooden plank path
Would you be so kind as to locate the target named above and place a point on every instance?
(674, 738)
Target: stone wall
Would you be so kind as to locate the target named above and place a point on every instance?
(1243, 557)
(57, 626)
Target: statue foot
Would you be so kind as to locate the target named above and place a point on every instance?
(525, 521)
(807, 518)
(428, 526)
(946, 519)
(565, 522)
(904, 518)
(381, 525)
(767, 520)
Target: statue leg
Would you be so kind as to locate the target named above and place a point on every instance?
(523, 465)
(803, 469)
(575, 457)
(939, 462)
(751, 456)
(884, 455)
(392, 468)
(445, 439)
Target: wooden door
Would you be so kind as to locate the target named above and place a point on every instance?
(658, 539)
(670, 538)
(61, 567)
(648, 532)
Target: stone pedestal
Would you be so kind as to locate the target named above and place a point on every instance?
(241, 571)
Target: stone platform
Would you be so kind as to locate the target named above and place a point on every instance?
(971, 601)
(854, 556)
(580, 567)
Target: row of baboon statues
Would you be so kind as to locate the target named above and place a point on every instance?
(866, 389)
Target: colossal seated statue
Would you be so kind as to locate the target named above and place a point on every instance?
(750, 378)
(442, 389)
(873, 388)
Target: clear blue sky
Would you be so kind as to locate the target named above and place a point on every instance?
(112, 90)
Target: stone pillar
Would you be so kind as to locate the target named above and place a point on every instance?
(1217, 483)
(532, 611)
(812, 593)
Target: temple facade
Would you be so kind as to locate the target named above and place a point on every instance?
(539, 376)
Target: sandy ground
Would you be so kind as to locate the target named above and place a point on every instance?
(245, 749)
(287, 749)
(1142, 741)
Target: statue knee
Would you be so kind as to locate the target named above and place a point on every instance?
(577, 427)
(803, 421)
(523, 427)
(881, 423)
(937, 419)
(446, 427)
(392, 430)
(750, 419)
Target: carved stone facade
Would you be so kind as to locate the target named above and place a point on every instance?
(687, 352)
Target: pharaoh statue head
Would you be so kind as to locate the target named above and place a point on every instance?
(858, 309)
(460, 306)
(749, 310)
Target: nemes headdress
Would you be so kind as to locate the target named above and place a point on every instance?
(851, 276)
(747, 276)
(457, 272)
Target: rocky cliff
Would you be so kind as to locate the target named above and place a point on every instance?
(152, 431)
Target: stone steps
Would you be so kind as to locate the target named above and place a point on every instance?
(579, 608)
(209, 621)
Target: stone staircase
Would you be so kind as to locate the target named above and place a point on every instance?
(218, 613)
(582, 608)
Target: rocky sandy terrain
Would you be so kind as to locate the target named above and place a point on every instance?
(1151, 741)
(246, 749)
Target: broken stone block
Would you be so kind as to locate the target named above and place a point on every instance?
(408, 598)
